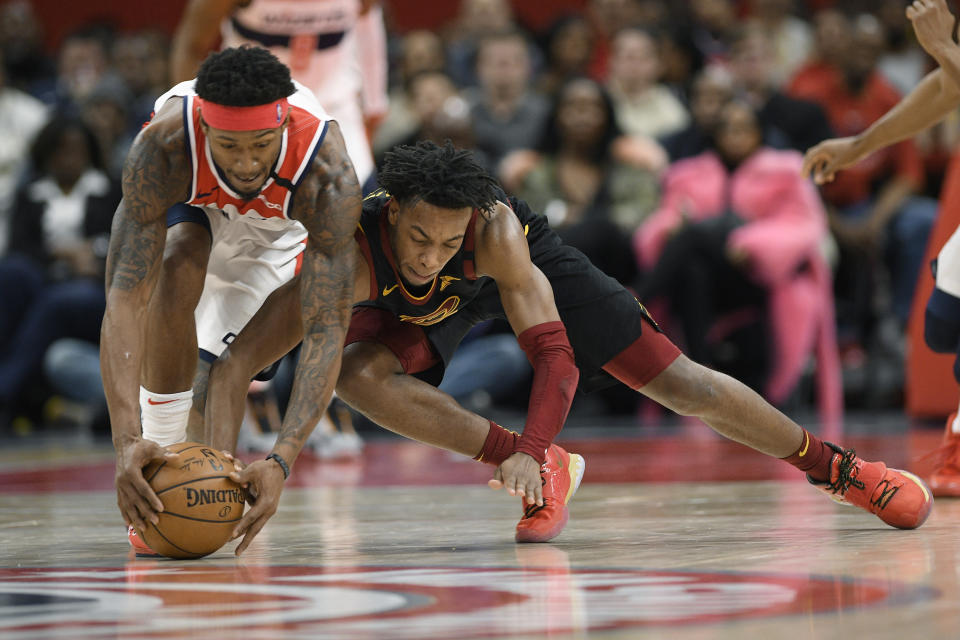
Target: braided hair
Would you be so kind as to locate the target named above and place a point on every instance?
(444, 176)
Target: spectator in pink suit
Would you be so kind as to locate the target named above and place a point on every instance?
(739, 228)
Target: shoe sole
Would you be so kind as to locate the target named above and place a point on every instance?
(575, 467)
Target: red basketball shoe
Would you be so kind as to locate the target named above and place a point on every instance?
(897, 497)
(561, 474)
(945, 477)
(140, 547)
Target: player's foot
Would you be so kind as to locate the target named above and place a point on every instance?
(139, 546)
(945, 478)
(561, 474)
(897, 497)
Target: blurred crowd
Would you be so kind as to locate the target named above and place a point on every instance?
(662, 139)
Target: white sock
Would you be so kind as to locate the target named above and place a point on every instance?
(955, 427)
(164, 416)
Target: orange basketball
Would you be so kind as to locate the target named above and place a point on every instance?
(201, 505)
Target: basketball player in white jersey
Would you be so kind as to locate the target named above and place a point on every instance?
(239, 181)
(933, 99)
(337, 48)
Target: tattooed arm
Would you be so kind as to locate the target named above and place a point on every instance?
(328, 205)
(152, 182)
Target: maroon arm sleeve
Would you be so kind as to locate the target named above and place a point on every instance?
(555, 378)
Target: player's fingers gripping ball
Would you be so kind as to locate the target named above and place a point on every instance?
(201, 504)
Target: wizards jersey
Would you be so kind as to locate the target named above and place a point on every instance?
(271, 208)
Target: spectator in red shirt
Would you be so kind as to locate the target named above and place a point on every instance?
(831, 32)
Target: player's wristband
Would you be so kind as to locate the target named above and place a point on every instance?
(280, 461)
(555, 378)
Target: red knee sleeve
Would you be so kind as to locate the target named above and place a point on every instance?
(555, 378)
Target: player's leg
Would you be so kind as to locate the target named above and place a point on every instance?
(373, 382)
(941, 332)
(381, 351)
(653, 366)
(201, 379)
(170, 349)
(727, 405)
(272, 332)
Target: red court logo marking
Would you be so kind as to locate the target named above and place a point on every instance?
(167, 598)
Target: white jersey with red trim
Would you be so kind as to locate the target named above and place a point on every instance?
(271, 208)
(256, 246)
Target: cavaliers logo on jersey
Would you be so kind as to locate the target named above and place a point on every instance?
(446, 280)
(446, 309)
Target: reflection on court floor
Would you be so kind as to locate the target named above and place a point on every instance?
(680, 536)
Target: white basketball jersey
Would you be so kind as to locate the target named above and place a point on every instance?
(315, 38)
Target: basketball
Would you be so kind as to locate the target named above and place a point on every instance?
(201, 504)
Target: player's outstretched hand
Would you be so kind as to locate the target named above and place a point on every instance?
(137, 501)
(824, 160)
(932, 24)
(263, 479)
(520, 476)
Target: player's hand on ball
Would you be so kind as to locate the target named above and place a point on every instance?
(137, 501)
(238, 464)
(263, 479)
(520, 475)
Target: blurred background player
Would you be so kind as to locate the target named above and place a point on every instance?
(337, 48)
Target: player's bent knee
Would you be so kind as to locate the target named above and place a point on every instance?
(365, 366)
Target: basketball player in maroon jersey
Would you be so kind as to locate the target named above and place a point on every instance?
(243, 166)
(442, 248)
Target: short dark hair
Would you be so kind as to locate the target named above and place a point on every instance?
(243, 77)
(442, 176)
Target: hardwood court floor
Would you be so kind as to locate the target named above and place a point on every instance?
(679, 536)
